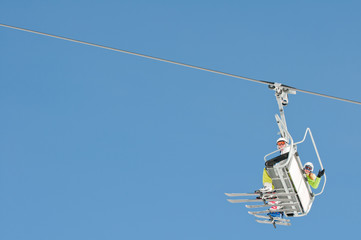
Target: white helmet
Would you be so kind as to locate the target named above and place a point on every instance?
(309, 165)
(282, 139)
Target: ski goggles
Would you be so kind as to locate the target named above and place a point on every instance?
(281, 143)
(309, 168)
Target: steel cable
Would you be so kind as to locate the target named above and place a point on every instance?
(176, 63)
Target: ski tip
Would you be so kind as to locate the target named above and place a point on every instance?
(264, 221)
(234, 200)
(241, 194)
(268, 218)
(257, 206)
(276, 222)
(282, 223)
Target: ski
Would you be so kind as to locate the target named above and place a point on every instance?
(274, 218)
(266, 211)
(257, 206)
(244, 200)
(241, 194)
(253, 200)
(260, 194)
(274, 222)
(270, 205)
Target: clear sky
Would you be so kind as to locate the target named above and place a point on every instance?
(96, 144)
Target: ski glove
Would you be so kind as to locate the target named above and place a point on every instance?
(320, 173)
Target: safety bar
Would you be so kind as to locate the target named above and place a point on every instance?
(308, 130)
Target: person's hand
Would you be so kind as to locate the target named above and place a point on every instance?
(320, 173)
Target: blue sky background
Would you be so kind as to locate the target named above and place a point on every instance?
(96, 144)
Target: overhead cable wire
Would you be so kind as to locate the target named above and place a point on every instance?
(174, 62)
(136, 54)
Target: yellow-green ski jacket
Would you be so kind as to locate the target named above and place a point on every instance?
(314, 183)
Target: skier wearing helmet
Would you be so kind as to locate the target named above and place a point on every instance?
(282, 145)
(311, 177)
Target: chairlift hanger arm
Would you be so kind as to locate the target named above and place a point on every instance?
(281, 93)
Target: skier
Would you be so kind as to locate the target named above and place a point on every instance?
(311, 177)
(282, 145)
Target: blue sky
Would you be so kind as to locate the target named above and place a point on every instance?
(102, 145)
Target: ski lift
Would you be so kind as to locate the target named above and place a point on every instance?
(292, 191)
(288, 177)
